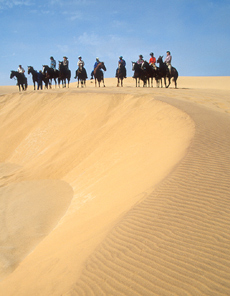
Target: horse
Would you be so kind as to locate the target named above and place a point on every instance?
(63, 75)
(50, 74)
(98, 74)
(120, 74)
(139, 74)
(81, 74)
(21, 79)
(164, 72)
(35, 76)
(150, 72)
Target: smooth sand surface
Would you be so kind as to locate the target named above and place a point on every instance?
(116, 191)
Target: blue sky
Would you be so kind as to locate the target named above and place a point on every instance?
(197, 32)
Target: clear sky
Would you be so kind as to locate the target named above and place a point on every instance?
(197, 32)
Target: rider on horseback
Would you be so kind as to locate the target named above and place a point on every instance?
(140, 61)
(94, 67)
(21, 70)
(152, 61)
(81, 68)
(65, 65)
(52, 64)
(168, 61)
(121, 64)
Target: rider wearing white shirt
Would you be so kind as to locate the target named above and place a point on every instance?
(80, 63)
(20, 69)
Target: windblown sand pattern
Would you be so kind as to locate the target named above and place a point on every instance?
(176, 242)
(116, 191)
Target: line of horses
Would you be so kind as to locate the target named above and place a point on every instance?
(146, 73)
(143, 72)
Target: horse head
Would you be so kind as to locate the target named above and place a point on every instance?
(60, 65)
(12, 74)
(102, 66)
(44, 68)
(133, 65)
(144, 65)
(160, 59)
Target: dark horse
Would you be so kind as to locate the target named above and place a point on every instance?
(164, 72)
(81, 75)
(139, 74)
(50, 74)
(63, 75)
(120, 74)
(150, 72)
(98, 73)
(21, 79)
(35, 76)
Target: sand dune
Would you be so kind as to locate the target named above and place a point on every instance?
(116, 191)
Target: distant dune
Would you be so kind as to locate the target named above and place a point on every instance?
(116, 191)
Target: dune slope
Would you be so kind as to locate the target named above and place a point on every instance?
(176, 242)
(79, 161)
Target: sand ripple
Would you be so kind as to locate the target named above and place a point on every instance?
(176, 242)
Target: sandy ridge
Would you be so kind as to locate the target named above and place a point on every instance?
(173, 243)
(176, 242)
(92, 140)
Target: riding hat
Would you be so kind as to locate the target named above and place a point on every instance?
(51, 58)
(141, 56)
(65, 57)
(79, 57)
(120, 57)
(151, 53)
(97, 59)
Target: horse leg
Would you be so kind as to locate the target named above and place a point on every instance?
(169, 78)
(118, 81)
(122, 82)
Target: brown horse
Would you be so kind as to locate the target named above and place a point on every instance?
(64, 74)
(81, 75)
(164, 72)
(98, 73)
(139, 74)
(21, 79)
(120, 74)
(50, 74)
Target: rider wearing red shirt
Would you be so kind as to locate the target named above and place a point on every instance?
(152, 60)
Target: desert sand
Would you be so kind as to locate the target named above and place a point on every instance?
(116, 191)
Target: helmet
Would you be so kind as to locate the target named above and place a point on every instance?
(120, 57)
(51, 58)
(79, 57)
(151, 53)
(141, 56)
(97, 59)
